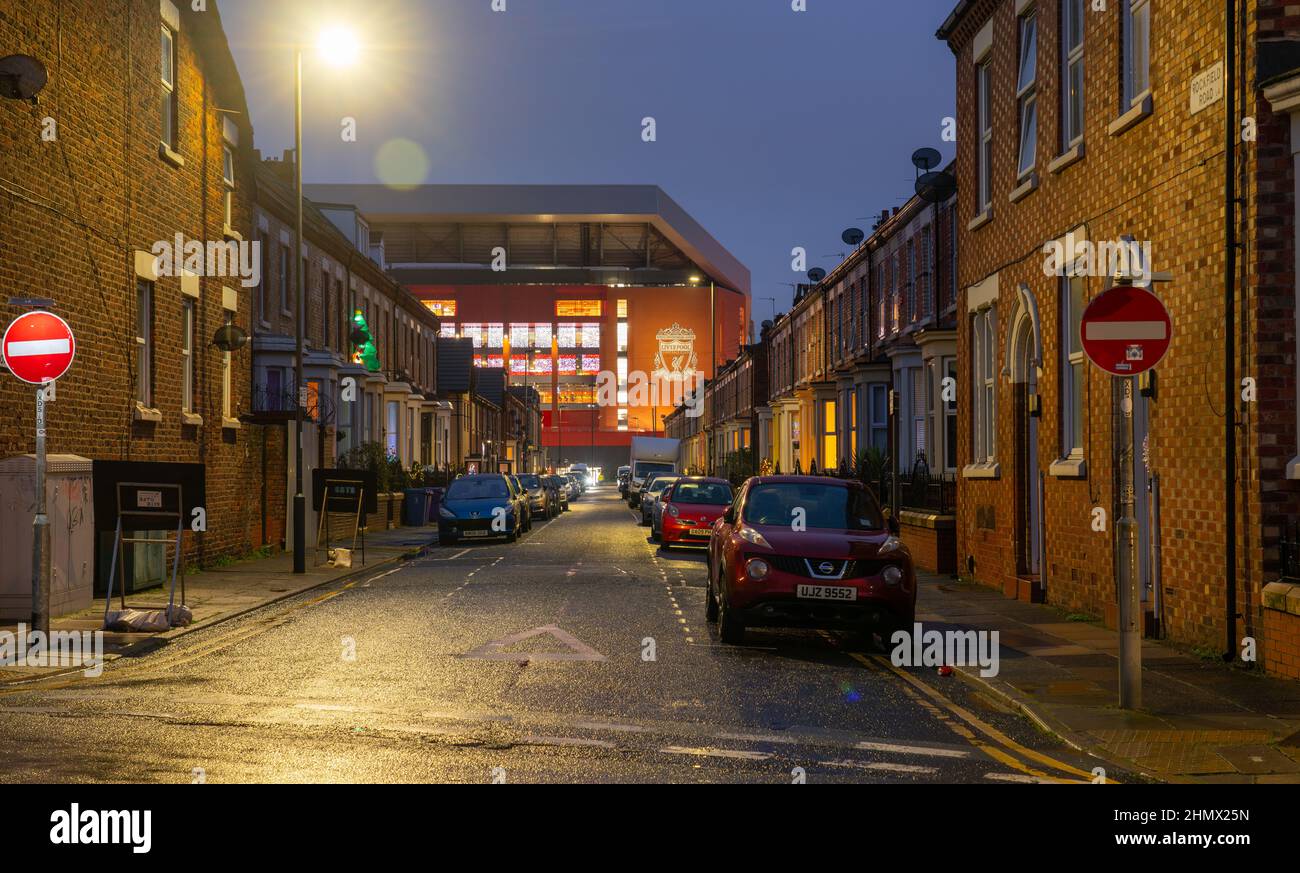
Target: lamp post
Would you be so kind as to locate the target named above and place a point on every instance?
(336, 45)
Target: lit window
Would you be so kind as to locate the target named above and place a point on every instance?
(579, 308)
(622, 336)
(568, 365)
(496, 336)
(591, 363)
(591, 336)
(568, 336)
(442, 308)
(519, 336)
(541, 336)
(474, 332)
(984, 334)
(447, 329)
(830, 452)
(622, 309)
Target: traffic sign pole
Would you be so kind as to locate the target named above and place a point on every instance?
(1126, 331)
(40, 530)
(1129, 592)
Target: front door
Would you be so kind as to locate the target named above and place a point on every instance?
(1028, 486)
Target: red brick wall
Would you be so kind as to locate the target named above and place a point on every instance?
(75, 209)
(1161, 181)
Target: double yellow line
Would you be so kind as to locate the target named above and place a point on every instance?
(976, 731)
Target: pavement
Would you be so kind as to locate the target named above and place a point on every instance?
(581, 653)
(1200, 721)
(221, 593)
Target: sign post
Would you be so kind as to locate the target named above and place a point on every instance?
(38, 348)
(1126, 331)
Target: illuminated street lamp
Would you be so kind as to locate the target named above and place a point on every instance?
(339, 48)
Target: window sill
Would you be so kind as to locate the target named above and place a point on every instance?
(1027, 187)
(1142, 109)
(144, 413)
(165, 152)
(980, 220)
(191, 419)
(987, 470)
(229, 423)
(1073, 156)
(1068, 468)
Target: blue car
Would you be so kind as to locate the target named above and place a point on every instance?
(479, 507)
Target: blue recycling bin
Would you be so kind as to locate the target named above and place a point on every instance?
(435, 503)
(415, 509)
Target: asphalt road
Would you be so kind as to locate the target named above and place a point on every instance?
(425, 672)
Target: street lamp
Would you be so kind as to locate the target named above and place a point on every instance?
(339, 48)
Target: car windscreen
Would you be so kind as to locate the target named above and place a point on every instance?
(645, 468)
(476, 488)
(710, 493)
(530, 481)
(826, 507)
(660, 484)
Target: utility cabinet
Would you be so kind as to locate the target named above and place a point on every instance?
(69, 502)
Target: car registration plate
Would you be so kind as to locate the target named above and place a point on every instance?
(826, 592)
(701, 532)
(476, 533)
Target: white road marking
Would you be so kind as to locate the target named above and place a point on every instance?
(1020, 778)
(705, 752)
(910, 769)
(578, 650)
(913, 750)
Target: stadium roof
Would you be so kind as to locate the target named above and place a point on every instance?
(441, 226)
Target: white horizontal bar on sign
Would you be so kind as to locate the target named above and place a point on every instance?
(28, 348)
(1125, 330)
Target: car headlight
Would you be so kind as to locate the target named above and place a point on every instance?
(891, 545)
(444, 512)
(892, 575)
(753, 537)
(757, 568)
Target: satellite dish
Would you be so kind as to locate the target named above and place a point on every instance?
(816, 274)
(852, 236)
(230, 337)
(926, 159)
(936, 187)
(21, 77)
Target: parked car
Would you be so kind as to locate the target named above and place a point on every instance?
(543, 501)
(649, 496)
(687, 510)
(521, 494)
(561, 486)
(624, 480)
(634, 494)
(473, 503)
(579, 481)
(807, 551)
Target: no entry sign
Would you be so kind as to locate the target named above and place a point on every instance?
(38, 347)
(1126, 331)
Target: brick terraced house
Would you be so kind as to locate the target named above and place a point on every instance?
(140, 138)
(1080, 130)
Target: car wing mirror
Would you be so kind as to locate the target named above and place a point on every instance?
(730, 515)
(893, 526)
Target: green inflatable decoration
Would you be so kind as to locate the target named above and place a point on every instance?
(363, 344)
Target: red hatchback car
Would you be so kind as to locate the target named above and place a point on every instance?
(808, 551)
(690, 507)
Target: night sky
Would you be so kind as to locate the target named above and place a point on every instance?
(774, 128)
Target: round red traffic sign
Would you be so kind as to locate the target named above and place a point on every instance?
(38, 347)
(1126, 330)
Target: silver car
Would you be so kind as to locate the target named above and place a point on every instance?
(650, 497)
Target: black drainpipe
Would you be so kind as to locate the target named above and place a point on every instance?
(1229, 350)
